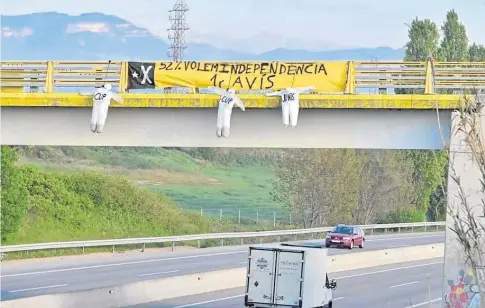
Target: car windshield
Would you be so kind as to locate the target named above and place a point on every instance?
(343, 230)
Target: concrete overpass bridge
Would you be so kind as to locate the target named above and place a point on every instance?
(355, 105)
(41, 104)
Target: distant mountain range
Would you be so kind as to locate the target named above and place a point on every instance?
(96, 36)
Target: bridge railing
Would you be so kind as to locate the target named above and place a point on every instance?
(427, 75)
(62, 76)
(57, 76)
(209, 236)
(454, 75)
(388, 75)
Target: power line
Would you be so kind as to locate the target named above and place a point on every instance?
(176, 33)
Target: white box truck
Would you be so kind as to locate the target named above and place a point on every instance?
(288, 276)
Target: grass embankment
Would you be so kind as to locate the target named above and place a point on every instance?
(193, 179)
(100, 193)
(81, 206)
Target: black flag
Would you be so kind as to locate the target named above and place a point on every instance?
(141, 75)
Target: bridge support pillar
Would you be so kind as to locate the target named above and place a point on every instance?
(464, 272)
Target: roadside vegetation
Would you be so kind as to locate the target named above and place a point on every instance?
(39, 206)
(80, 193)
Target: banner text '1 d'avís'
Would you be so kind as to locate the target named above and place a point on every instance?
(324, 76)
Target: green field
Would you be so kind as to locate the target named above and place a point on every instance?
(191, 182)
(231, 190)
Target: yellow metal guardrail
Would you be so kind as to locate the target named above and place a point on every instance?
(51, 76)
(58, 83)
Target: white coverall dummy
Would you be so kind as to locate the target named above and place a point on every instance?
(290, 103)
(101, 101)
(226, 102)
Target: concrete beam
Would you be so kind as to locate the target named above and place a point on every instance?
(158, 100)
(464, 166)
(190, 127)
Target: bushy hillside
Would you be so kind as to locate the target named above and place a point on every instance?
(195, 179)
(57, 206)
(105, 192)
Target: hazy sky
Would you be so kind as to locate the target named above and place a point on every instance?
(309, 24)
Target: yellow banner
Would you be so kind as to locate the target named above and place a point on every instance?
(324, 76)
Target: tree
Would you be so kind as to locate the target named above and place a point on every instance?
(428, 175)
(385, 185)
(423, 43)
(325, 187)
(14, 194)
(437, 203)
(477, 53)
(318, 186)
(423, 40)
(454, 46)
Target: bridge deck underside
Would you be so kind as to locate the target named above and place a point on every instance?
(195, 127)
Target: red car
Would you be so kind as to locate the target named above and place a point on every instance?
(345, 236)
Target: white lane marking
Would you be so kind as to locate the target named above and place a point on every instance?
(398, 246)
(403, 284)
(123, 263)
(211, 301)
(335, 299)
(245, 262)
(39, 288)
(425, 303)
(226, 299)
(158, 273)
(389, 270)
(402, 238)
(174, 258)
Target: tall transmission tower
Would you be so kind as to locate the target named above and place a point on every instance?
(176, 33)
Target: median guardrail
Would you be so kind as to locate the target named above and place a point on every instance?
(209, 236)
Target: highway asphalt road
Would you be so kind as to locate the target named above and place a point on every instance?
(403, 285)
(26, 278)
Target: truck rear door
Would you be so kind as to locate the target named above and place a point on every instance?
(260, 281)
(289, 277)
